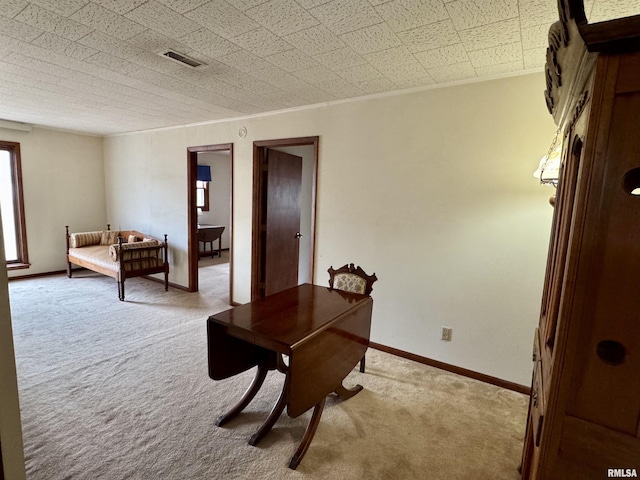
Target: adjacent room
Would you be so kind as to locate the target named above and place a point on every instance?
(418, 126)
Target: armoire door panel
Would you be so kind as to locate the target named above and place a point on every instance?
(629, 78)
(602, 391)
(566, 192)
(585, 443)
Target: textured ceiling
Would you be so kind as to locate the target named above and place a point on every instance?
(94, 66)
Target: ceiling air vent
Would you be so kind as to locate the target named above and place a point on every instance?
(178, 57)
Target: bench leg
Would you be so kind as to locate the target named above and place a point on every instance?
(121, 291)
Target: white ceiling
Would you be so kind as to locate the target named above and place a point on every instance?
(94, 65)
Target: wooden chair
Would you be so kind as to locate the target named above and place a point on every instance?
(349, 278)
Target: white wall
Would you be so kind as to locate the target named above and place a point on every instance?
(146, 190)
(63, 184)
(431, 190)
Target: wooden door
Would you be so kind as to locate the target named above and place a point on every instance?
(281, 220)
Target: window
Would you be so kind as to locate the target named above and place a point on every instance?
(202, 195)
(12, 206)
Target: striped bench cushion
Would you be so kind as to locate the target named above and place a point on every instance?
(77, 240)
(96, 254)
(114, 250)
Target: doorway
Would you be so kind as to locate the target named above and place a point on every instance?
(219, 158)
(283, 251)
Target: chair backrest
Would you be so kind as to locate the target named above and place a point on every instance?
(351, 279)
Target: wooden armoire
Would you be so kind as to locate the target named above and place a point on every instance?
(584, 410)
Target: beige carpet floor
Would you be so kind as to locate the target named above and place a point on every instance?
(119, 390)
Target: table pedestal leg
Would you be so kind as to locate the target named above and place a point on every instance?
(261, 373)
(308, 435)
(278, 408)
(346, 393)
(276, 411)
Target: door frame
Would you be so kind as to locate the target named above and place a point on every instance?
(259, 206)
(192, 214)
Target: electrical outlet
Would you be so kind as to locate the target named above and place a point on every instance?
(447, 333)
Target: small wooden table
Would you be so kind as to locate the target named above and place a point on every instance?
(324, 333)
(209, 234)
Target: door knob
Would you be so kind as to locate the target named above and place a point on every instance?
(298, 235)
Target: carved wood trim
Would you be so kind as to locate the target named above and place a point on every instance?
(572, 10)
(558, 38)
(352, 269)
(572, 41)
(582, 101)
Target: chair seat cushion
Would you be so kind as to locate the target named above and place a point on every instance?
(350, 282)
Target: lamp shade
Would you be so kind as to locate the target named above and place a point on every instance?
(549, 168)
(204, 173)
